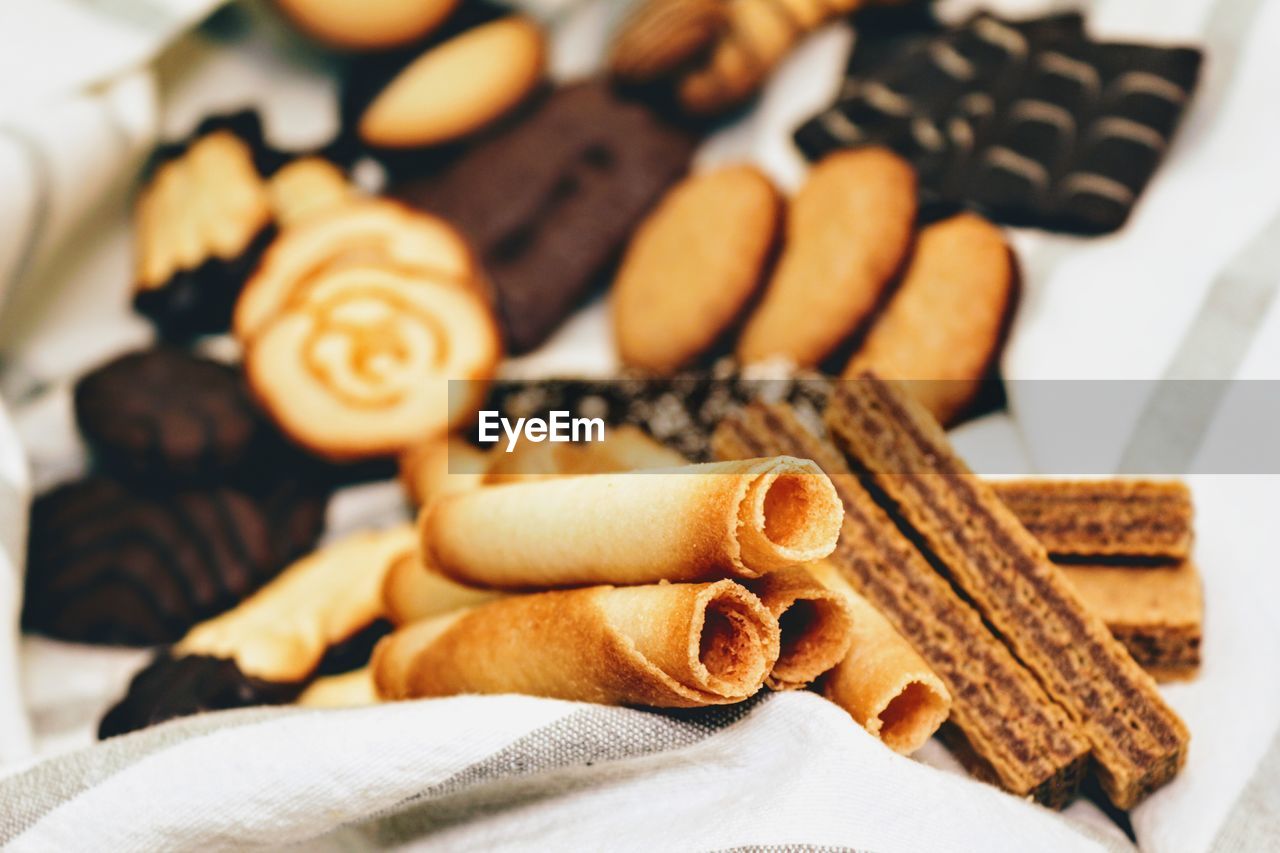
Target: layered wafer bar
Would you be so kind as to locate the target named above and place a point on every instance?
(1006, 728)
(1138, 742)
(1076, 520)
(1157, 612)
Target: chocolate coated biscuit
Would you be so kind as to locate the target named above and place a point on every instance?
(164, 415)
(549, 202)
(109, 565)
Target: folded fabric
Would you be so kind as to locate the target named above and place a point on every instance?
(519, 773)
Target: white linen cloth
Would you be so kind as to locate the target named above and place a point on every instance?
(793, 772)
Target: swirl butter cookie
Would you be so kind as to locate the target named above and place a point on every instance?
(364, 231)
(367, 24)
(693, 265)
(943, 326)
(201, 220)
(358, 364)
(458, 87)
(848, 231)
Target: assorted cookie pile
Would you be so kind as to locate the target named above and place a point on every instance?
(764, 512)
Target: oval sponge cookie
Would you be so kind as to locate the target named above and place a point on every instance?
(848, 231)
(693, 266)
(367, 24)
(458, 87)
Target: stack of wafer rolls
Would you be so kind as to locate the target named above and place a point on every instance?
(1138, 742)
(616, 588)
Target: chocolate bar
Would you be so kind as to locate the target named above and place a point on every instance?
(1004, 726)
(1138, 742)
(1027, 122)
(1089, 520)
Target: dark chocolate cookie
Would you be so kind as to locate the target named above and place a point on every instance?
(170, 687)
(1028, 122)
(164, 415)
(109, 565)
(550, 202)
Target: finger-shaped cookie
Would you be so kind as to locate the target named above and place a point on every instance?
(693, 265)
(943, 326)
(368, 231)
(367, 24)
(359, 364)
(458, 87)
(848, 231)
(412, 591)
(282, 632)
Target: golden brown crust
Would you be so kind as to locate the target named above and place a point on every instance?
(1019, 738)
(367, 24)
(848, 230)
(458, 87)
(693, 265)
(698, 522)
(440, 466)
(882, 682)
(943, 327)
(1138, 742)
(661, 35)
(1157, 612)
(815, 622)
(307, 187)
(281, 632)
(1079, 519)
(665, 645)
(411, 591)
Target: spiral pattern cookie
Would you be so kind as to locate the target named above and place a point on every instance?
(367, 231)
(357, 365)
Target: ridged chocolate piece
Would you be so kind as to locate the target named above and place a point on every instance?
(550, 202)
(1144, 520)
(1157, 612)
(170, 687)
(1009, 731)
(682, 412)
(109, 565)
(1138, 742)
(1028, 122)
(164, 415)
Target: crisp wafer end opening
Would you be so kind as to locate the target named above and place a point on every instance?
(729, 645)
(911, 717)
(796, 516)
(814, 638)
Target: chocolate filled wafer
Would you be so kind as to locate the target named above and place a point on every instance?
(1029, 122)
(1139, 743)
(1006, 728)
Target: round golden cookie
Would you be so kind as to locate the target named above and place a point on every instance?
(367, 24)
(458, 87)
(358, 365)
(693, 265)
(661, 35)
(371, 230)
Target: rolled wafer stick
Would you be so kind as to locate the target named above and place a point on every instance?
(882, 682)
(1139, 743)
(815, 624)
(624, 448)
(282, 631)
(664, 645)
(696, 522)
(411, 591)
(1003, 725)
(347, 690)
(1083, 519)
